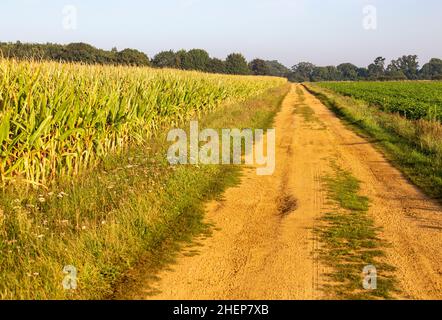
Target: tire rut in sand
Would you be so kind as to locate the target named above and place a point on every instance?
(254, 251)
(410, 221)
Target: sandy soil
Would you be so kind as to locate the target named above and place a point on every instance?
(410, 221)
(263, 245)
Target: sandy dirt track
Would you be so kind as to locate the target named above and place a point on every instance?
(263, 246)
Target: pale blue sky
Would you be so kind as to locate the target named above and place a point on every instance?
(321, 31)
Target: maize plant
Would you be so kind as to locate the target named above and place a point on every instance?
(57, 119)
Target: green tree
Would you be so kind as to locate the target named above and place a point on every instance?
(348, 71)
(376, 69)
(408, 65)
(216, 66)
(302, 72)
(132, 57)
(362, 73)
(259, 67)
(328, 73)
(333, 73)
(181, 60)
(196, 59)
(432, 70)
(80, 52)
(395, 75)
(277, 69)
(237, 64)
(319, 74)
(166, 59)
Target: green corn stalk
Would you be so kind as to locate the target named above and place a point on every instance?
(57, 119)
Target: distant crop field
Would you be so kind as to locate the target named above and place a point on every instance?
(58, 118)
(412, 99)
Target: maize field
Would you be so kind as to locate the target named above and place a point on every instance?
(56, 119)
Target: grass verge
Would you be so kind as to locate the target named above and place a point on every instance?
(413, 146)
(104, 221)
(306, 111)
(351, 242)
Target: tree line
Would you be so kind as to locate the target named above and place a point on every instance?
(74, 52)
(195, 59)
(403, 68)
